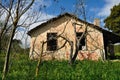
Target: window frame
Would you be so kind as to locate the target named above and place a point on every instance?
(82, 42)
(52, 41)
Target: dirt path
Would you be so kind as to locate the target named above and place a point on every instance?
(116, 60)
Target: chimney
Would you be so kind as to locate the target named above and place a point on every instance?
(96, 22)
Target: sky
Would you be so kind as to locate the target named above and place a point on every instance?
(94, 9)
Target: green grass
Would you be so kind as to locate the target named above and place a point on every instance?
(21, 68)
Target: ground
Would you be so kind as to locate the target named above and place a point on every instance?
(21, 68)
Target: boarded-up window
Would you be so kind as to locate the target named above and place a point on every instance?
(82, 41)
(51, 41)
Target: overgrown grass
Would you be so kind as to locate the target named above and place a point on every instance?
(21, 68)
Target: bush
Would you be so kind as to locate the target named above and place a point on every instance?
(117, 48)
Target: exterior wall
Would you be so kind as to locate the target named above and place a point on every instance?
(94, 40)
(40, 35)
(94, 43)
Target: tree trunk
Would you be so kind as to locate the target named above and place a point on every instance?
(6, 64)
(15, 20)
(76, 51)
(71, 52)
(76, 45)
(39, 62)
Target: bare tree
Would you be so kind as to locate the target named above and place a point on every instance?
(15, 10)
(77, 40)
(79, 10)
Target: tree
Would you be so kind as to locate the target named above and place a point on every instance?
(112, 22)
(4, 41)
(17, 13)
(80, 8)
(15, 9)
(16, 46)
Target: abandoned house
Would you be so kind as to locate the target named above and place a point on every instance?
(56, 33)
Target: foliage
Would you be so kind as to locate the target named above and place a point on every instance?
(112, 22)
(21, 68)
(15, 44)
(117, 51)
(4, 42)
(117, 48)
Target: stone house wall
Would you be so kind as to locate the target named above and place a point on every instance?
(94, 40)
